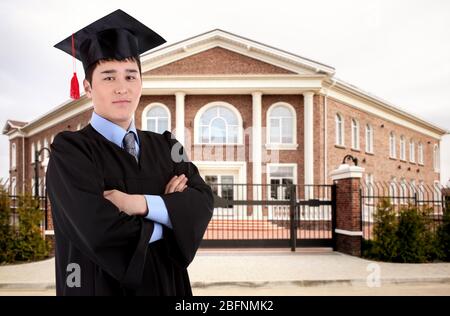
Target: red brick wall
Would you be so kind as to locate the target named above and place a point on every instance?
(379, 163)
(217, 61)
(348, 216)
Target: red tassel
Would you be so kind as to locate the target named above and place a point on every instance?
(74, 87)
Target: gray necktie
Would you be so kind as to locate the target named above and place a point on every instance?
(129, 144)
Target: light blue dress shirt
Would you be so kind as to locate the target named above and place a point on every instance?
(155, 204)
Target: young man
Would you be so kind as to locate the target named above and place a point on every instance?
(129, 209)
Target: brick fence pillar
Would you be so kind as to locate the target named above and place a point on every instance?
(348, 212)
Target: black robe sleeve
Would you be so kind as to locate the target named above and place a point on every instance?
(189, 211)
(113, 240)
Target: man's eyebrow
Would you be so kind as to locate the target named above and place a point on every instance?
(112, 71)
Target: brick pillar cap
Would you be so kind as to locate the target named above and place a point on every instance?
(346, 171)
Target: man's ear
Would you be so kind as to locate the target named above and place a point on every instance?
(87, 88)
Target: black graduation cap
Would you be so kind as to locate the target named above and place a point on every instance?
(117, 35)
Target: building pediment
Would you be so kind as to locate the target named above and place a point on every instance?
(220, 52)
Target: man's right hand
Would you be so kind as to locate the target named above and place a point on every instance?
(176, 184)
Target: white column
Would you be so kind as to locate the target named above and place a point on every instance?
(256, 151)
(309, 140)
(179, 120)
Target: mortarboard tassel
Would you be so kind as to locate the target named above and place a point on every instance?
(74, 86)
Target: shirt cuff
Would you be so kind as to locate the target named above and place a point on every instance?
(157, 233)
(157, 210)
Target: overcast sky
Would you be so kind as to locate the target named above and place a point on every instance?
(397, 50)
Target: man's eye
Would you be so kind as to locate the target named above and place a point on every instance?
(109, 78)
(131, 77)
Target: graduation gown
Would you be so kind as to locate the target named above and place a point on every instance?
(110, 247)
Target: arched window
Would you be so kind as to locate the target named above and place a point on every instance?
(156, 118)
(403, 191)
(369, 138)
(392, 148)
(339, 130)
(281, 120)
(436, 158)
(13, 156)
(420, 152)
(218, 123)
(13, 186)
(393, 190)
(33, 153)
(355, 134)
(46, 154)
(402, 148)
(412, 151)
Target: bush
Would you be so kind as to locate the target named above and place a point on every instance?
(385, 244)
(407, 237)
(23, 242)
(415, 239)
(443, 235)
(6, 231)
(29, 244)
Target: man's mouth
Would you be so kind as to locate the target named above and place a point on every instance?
(121, 102)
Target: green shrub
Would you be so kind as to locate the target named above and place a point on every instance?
(443, 236)
(29, 244)
(385, 240)
(409, 236)
(6, 231)
(414, 236)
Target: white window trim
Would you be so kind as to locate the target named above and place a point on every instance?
(420, 153)
(355, 146)
(393, 194)
(13, 186)
(240, 166)
(13, 156)
(282, 146)
(268, 165)
(144, 126)
(33, 151)
(207, 106)
(412, 151)
(436, 158)
(369, 149)
(340, 130)
(392, 145)
(402, 147)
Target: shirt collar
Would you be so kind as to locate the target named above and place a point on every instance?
(111, 131)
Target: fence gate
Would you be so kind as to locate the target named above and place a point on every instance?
(279, 214)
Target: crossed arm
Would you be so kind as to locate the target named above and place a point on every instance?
(136, 204)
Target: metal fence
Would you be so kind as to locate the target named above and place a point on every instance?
(15, 204)
(426, 198)
(273, 215)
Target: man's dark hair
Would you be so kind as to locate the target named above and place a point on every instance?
(91, 68)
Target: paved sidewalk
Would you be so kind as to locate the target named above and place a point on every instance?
(258, 268)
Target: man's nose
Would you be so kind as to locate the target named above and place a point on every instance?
(121, 87)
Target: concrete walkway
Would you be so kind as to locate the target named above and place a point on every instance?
(257, 268)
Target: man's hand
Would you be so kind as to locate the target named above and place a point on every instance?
(176, 184)
(132, 204)
(136, 204)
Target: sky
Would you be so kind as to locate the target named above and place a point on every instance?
(397, 50)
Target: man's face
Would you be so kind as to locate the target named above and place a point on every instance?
(115, 91)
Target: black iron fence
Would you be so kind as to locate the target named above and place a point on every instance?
(280, 214)
(15, 204)
(428, 199)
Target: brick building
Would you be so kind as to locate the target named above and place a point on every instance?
(250, 113)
